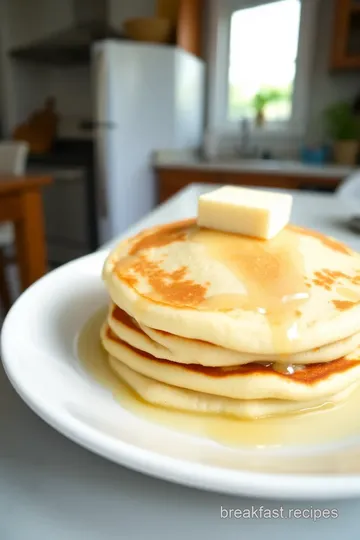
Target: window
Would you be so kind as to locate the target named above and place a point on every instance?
(262, 59)
(260, 63)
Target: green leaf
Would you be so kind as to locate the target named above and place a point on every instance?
(341, 122)
(270, 95)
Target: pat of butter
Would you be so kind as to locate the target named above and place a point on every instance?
(250, 212)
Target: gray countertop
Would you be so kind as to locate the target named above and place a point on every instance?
(187, 160)
(52, 489)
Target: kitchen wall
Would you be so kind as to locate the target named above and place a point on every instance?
(26, 85)
(71, 86)
(327, 87)
(6, 75)
(2, 68)
(120, 10)
(29, 21)
(22, 83)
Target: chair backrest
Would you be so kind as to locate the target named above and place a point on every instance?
(13, 157)
(349, 191)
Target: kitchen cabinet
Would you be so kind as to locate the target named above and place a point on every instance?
(345, 52)
(170, 181)
(189, 31)
(187, 17)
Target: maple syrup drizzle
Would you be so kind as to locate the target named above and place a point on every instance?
(273, 274)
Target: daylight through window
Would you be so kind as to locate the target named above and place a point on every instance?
(263, 52)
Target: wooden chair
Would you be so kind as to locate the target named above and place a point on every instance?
(13, 160)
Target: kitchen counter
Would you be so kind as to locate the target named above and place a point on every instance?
(232, 164)
(176, 169)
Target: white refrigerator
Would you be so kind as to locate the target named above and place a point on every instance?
(147, 98)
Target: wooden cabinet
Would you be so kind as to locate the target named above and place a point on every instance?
(187, 17)
(170, 181)
(345, 53)
(189, 31)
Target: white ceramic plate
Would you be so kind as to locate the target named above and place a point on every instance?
(39, 357)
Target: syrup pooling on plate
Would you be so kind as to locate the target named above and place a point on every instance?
(273, 274)
(326, 424)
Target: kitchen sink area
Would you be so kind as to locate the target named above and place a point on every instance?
(247, 164)
(176, 170)
(278, 166)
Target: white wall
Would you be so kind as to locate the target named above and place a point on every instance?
(72, 89)
(3, 68)
(28, 82)
(30, 20)
(327, 87)
(26, 85)
(70, 86)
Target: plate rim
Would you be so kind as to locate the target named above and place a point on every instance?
(289, 486)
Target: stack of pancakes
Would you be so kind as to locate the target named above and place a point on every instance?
(211, 322)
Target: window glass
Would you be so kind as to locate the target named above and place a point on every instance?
(262, 64)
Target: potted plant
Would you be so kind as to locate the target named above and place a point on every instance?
(262, 99)
(344, 129)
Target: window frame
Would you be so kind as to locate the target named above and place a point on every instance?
(218, 54)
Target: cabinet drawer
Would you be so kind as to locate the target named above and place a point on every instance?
(171, 181)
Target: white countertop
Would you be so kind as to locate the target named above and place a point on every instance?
(173, 160)
(52, 489)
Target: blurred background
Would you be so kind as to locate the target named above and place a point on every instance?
(125, 103)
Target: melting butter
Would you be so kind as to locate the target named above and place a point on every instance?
(328, 423)
(271, 271)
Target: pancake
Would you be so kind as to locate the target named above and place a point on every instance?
(250, 381)
(189, 351)
(171, 397)
(297, 292)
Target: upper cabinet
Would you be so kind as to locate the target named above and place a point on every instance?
(345, 53)
(188, 20)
